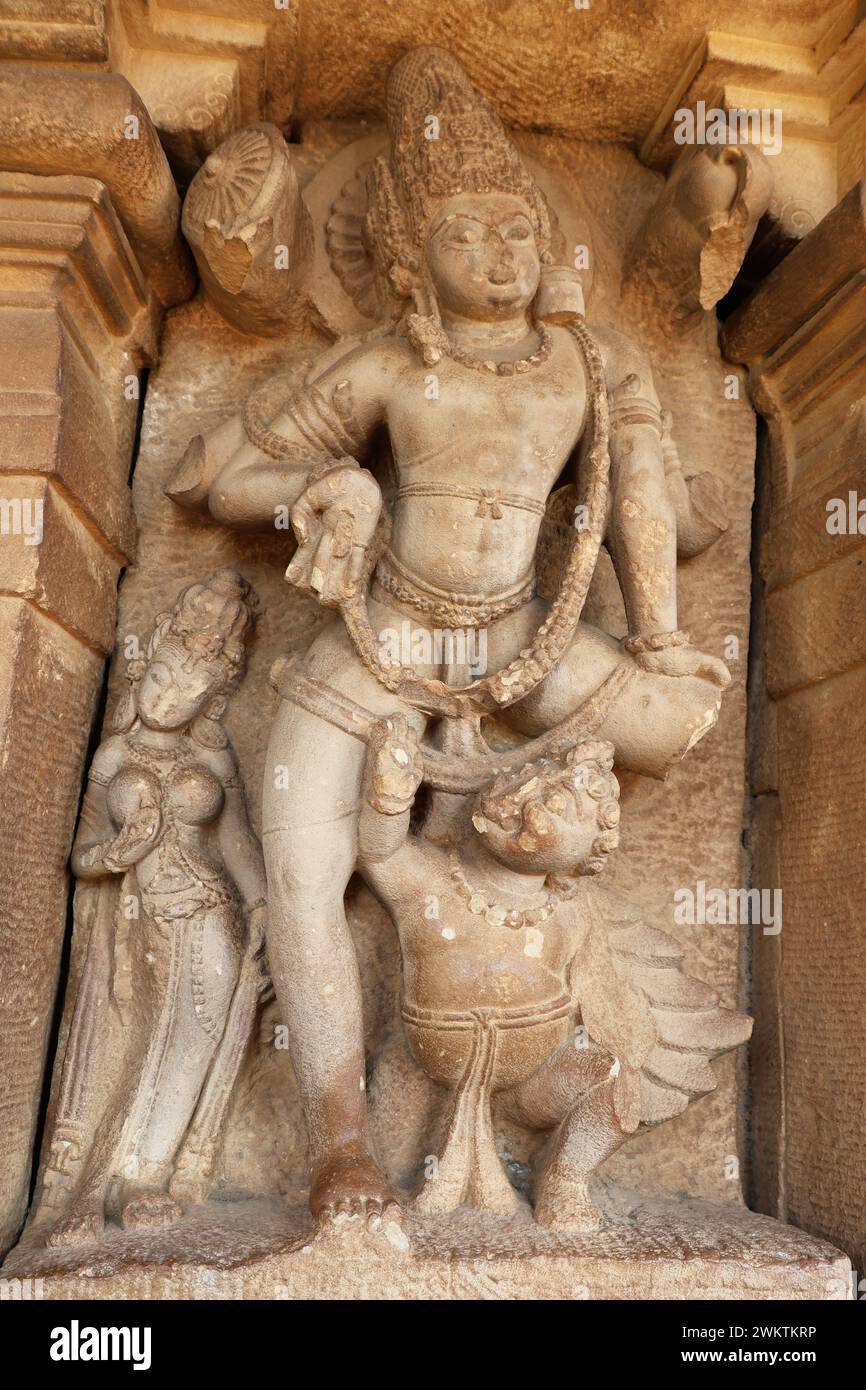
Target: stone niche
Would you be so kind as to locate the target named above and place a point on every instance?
(280, 235)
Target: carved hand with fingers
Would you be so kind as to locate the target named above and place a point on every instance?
(334, 520)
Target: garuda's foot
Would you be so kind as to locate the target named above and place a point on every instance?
(149, 1210)
(82, 1226)
(564, 1204)
(350, 1184)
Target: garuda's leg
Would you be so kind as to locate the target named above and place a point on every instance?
(595, 1101)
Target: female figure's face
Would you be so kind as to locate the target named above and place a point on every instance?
(482, 256)
(176, 686)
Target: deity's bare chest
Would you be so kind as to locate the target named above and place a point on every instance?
(488, 426)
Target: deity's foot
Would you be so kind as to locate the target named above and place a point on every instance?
(564, 1204)
(82, 1226)
(149, 1209)
(350, 1184)
(192, 1178)
(189, 1188)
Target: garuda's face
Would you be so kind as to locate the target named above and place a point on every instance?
(552, 830)
(482, 255)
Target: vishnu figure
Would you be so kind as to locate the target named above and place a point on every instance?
(484, 406)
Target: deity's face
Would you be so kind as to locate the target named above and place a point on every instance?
(482, 255)
(177, 685)
(555, 830)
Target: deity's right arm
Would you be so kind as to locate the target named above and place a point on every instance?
(256, 466)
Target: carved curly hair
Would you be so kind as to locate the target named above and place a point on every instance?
(586, 767)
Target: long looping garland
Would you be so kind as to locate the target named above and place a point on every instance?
(503, 688)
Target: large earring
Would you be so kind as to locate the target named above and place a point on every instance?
(559, 297)
(206, 728)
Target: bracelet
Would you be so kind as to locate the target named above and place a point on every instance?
(656, 642)
(636, 413)
(326, 466)
(259, 902)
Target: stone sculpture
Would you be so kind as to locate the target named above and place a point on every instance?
(165, 813)
(503, 948)
(487, 382)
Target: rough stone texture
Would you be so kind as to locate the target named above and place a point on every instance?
(803, 336)
(601, 72)
(604, 72)
(612, 84)
(646, 1249)
(50, 685)
(76, 323)
(94, 124)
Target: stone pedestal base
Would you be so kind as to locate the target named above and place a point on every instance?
(646, 1249)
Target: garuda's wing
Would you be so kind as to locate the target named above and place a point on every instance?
(638, 1003)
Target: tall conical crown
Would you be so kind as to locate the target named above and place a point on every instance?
(446, 139)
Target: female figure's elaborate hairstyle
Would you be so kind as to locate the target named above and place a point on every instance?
(212, 619)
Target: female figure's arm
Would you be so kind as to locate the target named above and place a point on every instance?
(95, 837)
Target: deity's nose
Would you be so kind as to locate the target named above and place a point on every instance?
(503, 273)
(500, 259)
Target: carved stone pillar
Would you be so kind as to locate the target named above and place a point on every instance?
(77, 324)
(803, 334)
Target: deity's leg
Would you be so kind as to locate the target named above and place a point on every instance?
(311, 799)
(651, 720)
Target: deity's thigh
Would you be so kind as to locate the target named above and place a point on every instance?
(651, 720)
(313, 767)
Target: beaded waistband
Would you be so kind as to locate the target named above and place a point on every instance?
(446, 609)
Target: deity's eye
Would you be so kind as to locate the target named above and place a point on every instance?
(518, 231)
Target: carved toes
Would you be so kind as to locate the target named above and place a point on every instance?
(80, 1228)
(149, 1211)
